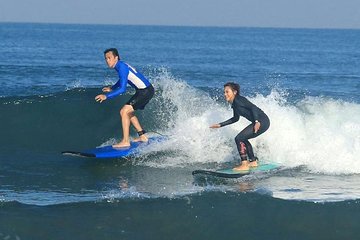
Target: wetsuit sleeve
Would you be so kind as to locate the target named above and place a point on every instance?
(116, 85)
(120, 86)
(232, 120)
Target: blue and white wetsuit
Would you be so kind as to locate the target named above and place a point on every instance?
(129, 75)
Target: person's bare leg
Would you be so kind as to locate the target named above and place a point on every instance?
(135, 122)
(125, 113)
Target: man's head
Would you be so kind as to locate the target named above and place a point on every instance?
(111, 57)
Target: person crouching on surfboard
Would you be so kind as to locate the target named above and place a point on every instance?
(144, 92)
(259, 124)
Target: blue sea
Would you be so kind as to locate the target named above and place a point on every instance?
(306, 80)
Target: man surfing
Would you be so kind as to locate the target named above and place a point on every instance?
(144, 92)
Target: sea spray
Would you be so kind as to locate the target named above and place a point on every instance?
(320, 133)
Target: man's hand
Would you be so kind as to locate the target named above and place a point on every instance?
(100, 98)
(106, 89)
(257, 127)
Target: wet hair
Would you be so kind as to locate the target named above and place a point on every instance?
(233, 86)
(114, 52)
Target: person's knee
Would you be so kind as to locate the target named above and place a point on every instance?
(125, 111)
(122, 111)
(238, 139)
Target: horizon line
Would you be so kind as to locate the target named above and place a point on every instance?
(173, 25)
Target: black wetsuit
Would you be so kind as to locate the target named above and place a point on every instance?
(243, 107)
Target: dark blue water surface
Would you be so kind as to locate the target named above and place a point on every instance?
(306, 80)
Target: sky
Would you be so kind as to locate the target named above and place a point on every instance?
(234, 13)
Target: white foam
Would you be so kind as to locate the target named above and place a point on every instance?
(74, 84)
(190, 114)
(322, 134)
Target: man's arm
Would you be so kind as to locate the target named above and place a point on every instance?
(120, 86)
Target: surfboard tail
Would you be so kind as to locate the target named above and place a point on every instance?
(78, 154)
(232, 173)
(218, 174)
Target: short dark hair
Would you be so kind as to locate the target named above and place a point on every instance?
(114, 52)
(233, 86)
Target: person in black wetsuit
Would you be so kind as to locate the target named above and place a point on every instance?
(259, 124)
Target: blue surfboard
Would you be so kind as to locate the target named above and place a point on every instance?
(231, 173)
(111, 152)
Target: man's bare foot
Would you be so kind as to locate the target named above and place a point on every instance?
(243, 167)
(121, 144)
(142, 138)
(253, 164)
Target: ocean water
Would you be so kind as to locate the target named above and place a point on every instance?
(306, 80)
